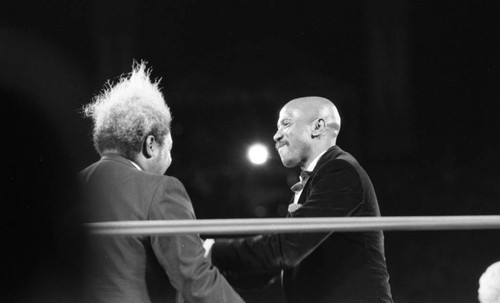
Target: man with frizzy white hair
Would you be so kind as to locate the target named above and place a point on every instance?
(489, 284)
(131, 133)
(123, 114)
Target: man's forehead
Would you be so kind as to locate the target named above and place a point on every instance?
(295, 113)
(287, 113)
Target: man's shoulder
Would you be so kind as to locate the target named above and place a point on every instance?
(120, 169)
(336, 159)
(159, 183)
(336, 155)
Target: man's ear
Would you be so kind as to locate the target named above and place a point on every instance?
(148, 146)
(319, 126)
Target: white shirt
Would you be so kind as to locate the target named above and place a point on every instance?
(309, 168)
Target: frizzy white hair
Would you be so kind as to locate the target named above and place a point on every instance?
(125, 113)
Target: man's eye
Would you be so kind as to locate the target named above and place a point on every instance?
(284, 124)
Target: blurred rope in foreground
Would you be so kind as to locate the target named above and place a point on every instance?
(289, 225)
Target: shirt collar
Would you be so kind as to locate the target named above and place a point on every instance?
(312, 165)
(135, 164)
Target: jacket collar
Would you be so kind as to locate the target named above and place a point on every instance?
(330, 153)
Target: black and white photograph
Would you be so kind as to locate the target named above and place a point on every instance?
(250, 151)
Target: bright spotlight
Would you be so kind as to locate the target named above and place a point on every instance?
(258, 154)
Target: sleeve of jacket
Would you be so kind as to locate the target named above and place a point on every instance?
(194, 277)
(334, 191)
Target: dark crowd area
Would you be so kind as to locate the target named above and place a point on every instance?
(416, 84)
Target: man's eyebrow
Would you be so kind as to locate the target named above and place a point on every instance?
(283, 122)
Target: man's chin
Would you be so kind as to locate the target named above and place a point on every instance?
(288, 163)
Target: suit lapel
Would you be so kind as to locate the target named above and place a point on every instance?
(331, 153)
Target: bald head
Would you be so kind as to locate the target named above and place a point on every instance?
(312, 108)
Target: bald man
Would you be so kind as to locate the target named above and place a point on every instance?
(317, 267)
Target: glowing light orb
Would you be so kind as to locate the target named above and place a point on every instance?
(258, 154)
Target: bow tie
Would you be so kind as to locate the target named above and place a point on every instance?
(296, 188)
(304, 176)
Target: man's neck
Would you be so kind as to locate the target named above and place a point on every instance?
(312, 164)
(117, 153)
(315, 157)
(112, 151)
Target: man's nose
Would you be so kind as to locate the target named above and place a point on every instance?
(278, 135)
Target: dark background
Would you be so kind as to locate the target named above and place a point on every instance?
(416, 84)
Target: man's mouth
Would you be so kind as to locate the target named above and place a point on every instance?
(280, 145)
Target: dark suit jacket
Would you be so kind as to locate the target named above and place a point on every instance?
(142, 268)
(321, 267)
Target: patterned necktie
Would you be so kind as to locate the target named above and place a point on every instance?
(297, 187)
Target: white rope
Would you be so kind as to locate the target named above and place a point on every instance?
(289, 225)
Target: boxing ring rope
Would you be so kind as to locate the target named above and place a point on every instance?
(289, 225)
